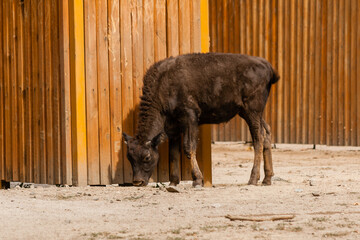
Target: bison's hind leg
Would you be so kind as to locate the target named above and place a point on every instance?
(268, 166)
(253, 119)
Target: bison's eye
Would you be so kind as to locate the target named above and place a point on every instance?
(147, 159)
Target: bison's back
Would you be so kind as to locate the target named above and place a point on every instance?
(216, 85)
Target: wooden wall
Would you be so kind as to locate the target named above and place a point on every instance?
(121, 42)
(33, 114)
(57, 131)
(315, 46)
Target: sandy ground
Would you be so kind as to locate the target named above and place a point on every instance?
(331, 174)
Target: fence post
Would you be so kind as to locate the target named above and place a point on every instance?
(77, 76)
(205, 130)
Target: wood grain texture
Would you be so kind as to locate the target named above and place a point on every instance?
(115, 91)
(2, 103)
(160, 54)
(313, 45)
(92, 102)
(127, 81)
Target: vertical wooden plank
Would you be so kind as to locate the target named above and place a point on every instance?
(335, 70)
(317, 88)
(56, 89)
(274, 61)
(7, 90)
(160, 53)
(255, 27)
(329, 77)
(353, 103)
(341, 96)
(42, 103)
(42, 89)
(184, 43)
(244, 15)
(237, 37)
(184, 26)
(213, 25)
(127, 82)
(225, 27)
(195, 26)
(49, 93)
(312, 79)
(173, 27)
(264, 8)
(139, 44)
(66, 158)
(305, 60)
(205, 131)
(298, 78)
(92, 104)
(287, 71)
(28, 94)
(317, 79)
(115, 91)
(14, 93)
(231, 29)
(42, 96)
(225, 127)
(261, 26)
(219, 128)
(172, 23)
(249, 43)
(195, 46)
(292, 75)
(358, 75)
(19, 11)
(323, 74)
(280, 85)
(149, 50)
(103, 92)
(35, 106)
(78, 109)
(347, 72)
(213, 48)
(2, 103)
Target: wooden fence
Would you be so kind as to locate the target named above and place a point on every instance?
(315, 46)
(70, 81)
(33, 114)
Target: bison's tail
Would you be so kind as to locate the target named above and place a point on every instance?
(275, 77)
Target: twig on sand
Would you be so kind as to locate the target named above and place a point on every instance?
(260, 218)
(277, 217)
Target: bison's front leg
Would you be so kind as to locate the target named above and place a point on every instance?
(190, 144)
(174, 160)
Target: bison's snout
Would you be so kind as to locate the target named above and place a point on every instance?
(139, 183)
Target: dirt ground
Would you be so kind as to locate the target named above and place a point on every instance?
(320, 188)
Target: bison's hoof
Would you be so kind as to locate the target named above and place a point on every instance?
(198, 183)
(173, 184)
(252, 182)
(266, 182)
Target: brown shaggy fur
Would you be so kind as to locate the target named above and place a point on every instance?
(181, 93)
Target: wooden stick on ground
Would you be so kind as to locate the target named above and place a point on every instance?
(260, 218)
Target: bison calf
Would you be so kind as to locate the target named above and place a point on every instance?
(181, 93)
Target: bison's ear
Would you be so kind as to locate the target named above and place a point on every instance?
(155, 141)
(126, 138)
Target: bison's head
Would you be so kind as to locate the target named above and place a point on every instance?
(143, 158)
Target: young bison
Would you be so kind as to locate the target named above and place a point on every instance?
(181, 93)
